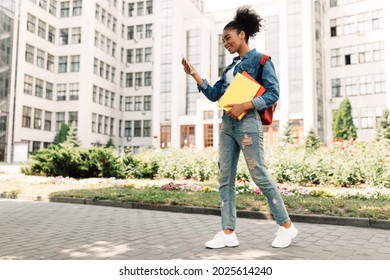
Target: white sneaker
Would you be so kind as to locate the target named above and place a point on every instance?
(284, 236)
(222, 240)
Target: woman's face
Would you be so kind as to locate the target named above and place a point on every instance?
(232, 40)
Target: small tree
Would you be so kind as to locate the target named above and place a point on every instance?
(383, 129)
(61, 135)
(287, 136)
(312, 141)
(72, 139)
(343, 127)
(110, 143)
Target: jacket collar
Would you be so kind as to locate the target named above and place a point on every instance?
(245, 56)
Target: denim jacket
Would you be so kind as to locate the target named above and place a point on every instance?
(250, 63)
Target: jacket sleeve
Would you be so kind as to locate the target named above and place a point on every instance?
(212, 93)
(270, 82)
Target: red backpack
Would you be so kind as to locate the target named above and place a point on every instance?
(267, 115)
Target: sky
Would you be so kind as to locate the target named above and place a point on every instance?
(217, 5)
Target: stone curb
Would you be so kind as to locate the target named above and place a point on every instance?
(315, 219)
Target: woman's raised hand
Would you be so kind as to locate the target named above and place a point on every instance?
(188, 68)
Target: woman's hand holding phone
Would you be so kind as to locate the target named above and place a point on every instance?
(188, 68)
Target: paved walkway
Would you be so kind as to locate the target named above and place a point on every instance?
(58, 231)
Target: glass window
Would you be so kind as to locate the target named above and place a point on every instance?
(31, 23)
(93, 124)
(137, 103)
(377, 19)
(26, 117)
(129, 79)
(94, 94)
(51, 36)
(101, 93)
(138, 79)
(129, 103)
(28, 84)
(36, 145)
(147, 103)
(76, 35)
(73, 118)
(37, 118)
(148, 79)
(138, 55)
(131, 9)
(130, 32)
(106, 98)
(113, 71)
(103, 18)
(149, 7)
(105, 125)
(61, 92)
(30, 54)
(64, 34)
(40, 58)
(43, 4)
(60, 119)
(137, 128)
(113, 50)
(42, 29)
(47, 125)
(100, 123)
(147, 128)
(112, 100)
(97, 12)
(148, 30)
(365, 85)
(74, 91)
(64, 9)
(208, 115)
(148, 54)
(129, 56)
(75, 63)
(140, 8)
(378, 51)
(49, 91)
(53, 7)
(140, 32)
(128, 128)
(39, 87)
(336, 88)
(379, 83)
(95, 66)
(62, 64)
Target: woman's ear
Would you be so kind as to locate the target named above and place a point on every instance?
(241, 35)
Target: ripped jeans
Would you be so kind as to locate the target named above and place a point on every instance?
(245, 135)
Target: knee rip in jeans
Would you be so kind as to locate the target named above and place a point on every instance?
(251, 163)
(246, 141)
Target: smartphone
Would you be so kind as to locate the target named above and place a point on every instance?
(182, 56)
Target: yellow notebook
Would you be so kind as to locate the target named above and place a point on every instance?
(240, 90)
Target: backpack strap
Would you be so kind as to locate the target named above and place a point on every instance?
(263, 60)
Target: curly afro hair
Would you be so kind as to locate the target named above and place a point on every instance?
(246, 20)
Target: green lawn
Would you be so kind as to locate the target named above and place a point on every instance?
(341, 206)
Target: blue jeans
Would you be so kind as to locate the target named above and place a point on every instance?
(245, 135)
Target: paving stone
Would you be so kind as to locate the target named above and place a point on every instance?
(60, 231)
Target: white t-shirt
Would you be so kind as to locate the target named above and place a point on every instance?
(229, 74)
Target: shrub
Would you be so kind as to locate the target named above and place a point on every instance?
(66, 161)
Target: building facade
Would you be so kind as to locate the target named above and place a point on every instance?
(113, 67)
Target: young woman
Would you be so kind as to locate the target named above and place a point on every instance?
(245, 135)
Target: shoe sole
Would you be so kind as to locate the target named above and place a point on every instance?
(220, 247)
